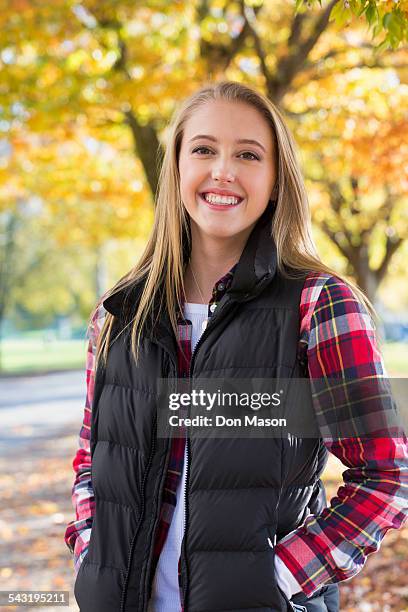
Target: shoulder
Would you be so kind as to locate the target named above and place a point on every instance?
(327, 298)
(340, 333)
(96, 321)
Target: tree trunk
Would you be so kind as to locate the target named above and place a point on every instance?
(367, 279)
(101, 272)
(6, 271)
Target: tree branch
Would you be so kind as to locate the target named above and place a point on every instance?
(391, 246)
(344, 250)
(296, 29)
(313, 74)
(250, 21)
(385, 210)
(290, 65)
(336, 201)
(146, 147)
(220, 56)
(146, 143)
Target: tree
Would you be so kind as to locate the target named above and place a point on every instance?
(357, 170)
(115, 70)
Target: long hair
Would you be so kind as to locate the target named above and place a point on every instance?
(163, 261)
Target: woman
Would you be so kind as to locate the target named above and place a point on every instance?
(229, 285)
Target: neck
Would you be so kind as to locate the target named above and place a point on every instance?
(210, 259)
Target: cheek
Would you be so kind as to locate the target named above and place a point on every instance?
(186, 189)
(186, 179)
(190, 181)
(263, 180)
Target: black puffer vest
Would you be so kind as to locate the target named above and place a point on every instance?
(240, 492)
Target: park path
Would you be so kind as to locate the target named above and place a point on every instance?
(40, 417)
(35, 407)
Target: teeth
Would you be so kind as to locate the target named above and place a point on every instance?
(217, 199)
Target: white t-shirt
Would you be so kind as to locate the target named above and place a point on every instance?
(165, 589)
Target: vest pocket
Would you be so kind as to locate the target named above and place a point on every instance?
(290, 605)
(286, 605)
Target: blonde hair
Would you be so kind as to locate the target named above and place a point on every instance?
(163, 260)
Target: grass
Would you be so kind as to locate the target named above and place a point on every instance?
(32, 353)
(396, 358)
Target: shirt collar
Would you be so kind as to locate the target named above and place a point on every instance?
(220, 288)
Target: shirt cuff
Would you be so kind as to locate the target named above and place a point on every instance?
(285, 579)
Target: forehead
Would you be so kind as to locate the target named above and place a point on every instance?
(228, 121)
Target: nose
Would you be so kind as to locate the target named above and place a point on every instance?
(221, 173)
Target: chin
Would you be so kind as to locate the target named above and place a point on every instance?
(219, 232)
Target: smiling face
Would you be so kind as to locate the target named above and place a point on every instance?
(213, 161)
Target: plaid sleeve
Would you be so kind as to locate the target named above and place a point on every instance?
(78, 531)
(333, 546)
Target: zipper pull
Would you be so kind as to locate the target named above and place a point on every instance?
(274, 541)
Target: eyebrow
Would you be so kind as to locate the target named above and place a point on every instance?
(241, 141)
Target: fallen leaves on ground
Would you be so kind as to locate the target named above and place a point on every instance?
(35, 486)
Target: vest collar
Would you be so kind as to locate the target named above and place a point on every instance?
(256, 268)
(257, 264)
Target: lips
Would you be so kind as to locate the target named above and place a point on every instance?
(221, 207)
(220, 192)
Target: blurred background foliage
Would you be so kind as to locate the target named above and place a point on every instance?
(87, 90)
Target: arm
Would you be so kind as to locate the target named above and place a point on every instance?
(78, 531)
(333, 546)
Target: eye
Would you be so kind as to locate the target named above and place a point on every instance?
(200, 149)
(254, 157)
(249, 153)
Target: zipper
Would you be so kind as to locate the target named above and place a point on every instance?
(210, 325)
(185, 577)
(142, 511)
